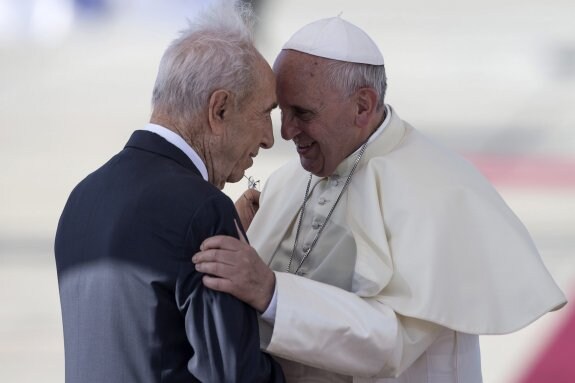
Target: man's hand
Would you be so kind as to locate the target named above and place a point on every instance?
(247, 206)
(233, 266)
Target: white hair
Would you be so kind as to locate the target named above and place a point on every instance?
(349, 77)
(216, 51)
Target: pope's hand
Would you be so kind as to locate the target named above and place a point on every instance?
(232, 266)
(247, 206)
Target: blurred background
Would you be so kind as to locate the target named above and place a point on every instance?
(492, 79)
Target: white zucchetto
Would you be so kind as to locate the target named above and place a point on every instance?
(337, 39)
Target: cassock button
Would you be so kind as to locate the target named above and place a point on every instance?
(305, 248)
(322, 201)
(316, 225)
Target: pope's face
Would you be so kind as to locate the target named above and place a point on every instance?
(315, 116)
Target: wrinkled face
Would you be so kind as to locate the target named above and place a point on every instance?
(250, 126)
(316, 117)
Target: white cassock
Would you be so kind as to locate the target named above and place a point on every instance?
(420, 256)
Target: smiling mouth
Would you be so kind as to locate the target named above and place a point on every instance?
(302, 148)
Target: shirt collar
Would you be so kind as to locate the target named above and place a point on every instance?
(382, 127)
(176, 140)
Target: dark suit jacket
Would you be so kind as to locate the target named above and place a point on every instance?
(133, 307)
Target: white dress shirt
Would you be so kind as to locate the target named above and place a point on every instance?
(176, 140)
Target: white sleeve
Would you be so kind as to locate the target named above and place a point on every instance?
(270, 314)
(332, 329)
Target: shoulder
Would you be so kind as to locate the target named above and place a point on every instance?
(420, 160)
(420, 175)
(185, 192)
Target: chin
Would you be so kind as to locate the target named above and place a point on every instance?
(309, 167)
(234, 177)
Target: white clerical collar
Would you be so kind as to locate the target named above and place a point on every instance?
(176, 140)
(382, 127)
(378, 131)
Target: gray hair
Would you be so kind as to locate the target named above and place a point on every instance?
(349, 77)
(216, 51)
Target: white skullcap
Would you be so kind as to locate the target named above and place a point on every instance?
(336, 39)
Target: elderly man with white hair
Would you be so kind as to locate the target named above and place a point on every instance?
(134, 308)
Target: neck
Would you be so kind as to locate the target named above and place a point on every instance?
(193, 137)
(210, 159)
(176, 127)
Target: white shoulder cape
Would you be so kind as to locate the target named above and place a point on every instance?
(435, 241)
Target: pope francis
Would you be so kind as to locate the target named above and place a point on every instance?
(382, 255)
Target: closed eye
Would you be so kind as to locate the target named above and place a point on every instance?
(303, 114)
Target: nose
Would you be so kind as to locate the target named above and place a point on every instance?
(268, 137)
(289, 129)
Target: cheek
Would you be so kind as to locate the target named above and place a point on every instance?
(241, 139)
(325, 137)
(332, 147)
(240, 152)
(246, 143)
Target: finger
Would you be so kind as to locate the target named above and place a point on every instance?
(227, 257)
(216, 269)
(248, 197)
(218, 284)
(224, 242)
(253, 196)
(240, 234)
(243, 197)
(204, 256)
(252, 206)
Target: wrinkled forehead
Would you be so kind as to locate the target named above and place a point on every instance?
(305, 74)
(303, 82)
(302, 64)
(264, 74)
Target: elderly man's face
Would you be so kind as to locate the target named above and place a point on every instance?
(250, 127)
(319, 119)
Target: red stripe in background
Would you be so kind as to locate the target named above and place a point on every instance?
(556, 362)
(537, 172)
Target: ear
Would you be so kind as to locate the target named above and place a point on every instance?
(366, 105)
(218, 110)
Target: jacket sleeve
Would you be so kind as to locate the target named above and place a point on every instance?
(365, 338)
(221, 330)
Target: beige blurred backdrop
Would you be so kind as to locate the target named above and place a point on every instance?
(494, 80)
